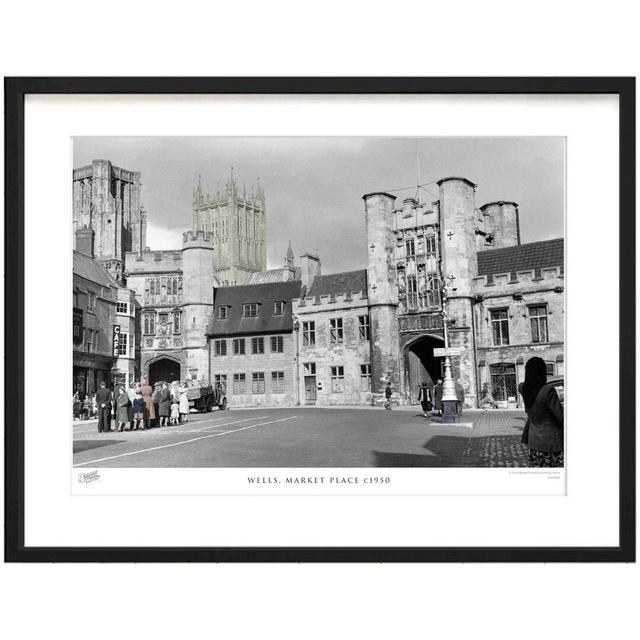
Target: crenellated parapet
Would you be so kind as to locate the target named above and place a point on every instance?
(153, 261)
(347, 300)
(197, 236)
(529, 280)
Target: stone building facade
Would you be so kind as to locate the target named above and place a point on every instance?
(174, 301)
(332, 339)
(252, 347)
(103, 329)
(333, 363)
(505, 301)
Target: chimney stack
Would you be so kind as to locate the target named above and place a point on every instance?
(310, 268)
(84, 241)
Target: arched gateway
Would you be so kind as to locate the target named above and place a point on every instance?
(420, 365)
(165, 369)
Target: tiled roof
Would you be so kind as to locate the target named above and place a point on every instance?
(524, 257)
(274, 275)
(89, 269)
(265, 295)
(336, 283)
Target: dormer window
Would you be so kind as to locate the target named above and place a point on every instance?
(222, 313)
(250, 310)
(278, 308)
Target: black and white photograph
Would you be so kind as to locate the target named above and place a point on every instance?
(318, 302)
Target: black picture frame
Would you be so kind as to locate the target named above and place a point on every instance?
(15, 91)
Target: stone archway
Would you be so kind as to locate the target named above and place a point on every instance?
(164, 369)
(420, 365)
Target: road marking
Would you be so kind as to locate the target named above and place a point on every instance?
(217, 426)
(155, 430)
(176, 444)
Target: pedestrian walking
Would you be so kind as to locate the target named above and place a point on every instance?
(103, 399)
(425, 398)
(387, 394)
(544, 430)
(146, 390)
(122, 408)
(164, 404)
(459, 395)
(183, 403)
(437, 396)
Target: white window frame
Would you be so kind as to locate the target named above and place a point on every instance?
(248, 308)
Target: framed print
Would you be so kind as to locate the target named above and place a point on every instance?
(320, 319)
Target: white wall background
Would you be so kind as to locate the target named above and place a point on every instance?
(331, 38)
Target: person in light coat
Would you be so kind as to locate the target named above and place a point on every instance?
(183, 403)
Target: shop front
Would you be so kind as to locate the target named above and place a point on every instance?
(89, 370)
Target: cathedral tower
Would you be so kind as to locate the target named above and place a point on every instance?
(106, 199)
(238, 224)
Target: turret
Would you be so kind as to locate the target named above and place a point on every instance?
(505, 222)
(382, 290)
(457, 231)
(459, 259)
(197, 295)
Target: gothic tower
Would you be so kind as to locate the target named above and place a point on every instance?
(382, 290)
(238, 224)
(106, 199)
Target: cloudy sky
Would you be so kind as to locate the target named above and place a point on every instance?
(314, 186)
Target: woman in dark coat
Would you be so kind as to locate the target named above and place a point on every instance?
(164, 405)
(544, 431)
(425, 398)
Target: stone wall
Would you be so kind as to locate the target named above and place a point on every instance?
(517, 296)
(255, 363)
(350, 354)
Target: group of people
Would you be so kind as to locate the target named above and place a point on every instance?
(84, 405)
(430, 397)
(142, 406)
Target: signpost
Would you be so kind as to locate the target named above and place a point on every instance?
(450, 351)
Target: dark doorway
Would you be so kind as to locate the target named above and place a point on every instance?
(421, 367)
(164, 370)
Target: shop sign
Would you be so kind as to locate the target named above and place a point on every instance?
(116, 340)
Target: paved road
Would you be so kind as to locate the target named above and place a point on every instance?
(309, 437)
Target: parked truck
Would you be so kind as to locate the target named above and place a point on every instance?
(203, 397)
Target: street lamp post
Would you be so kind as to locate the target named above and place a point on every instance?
(449, 398)
(296, 329)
